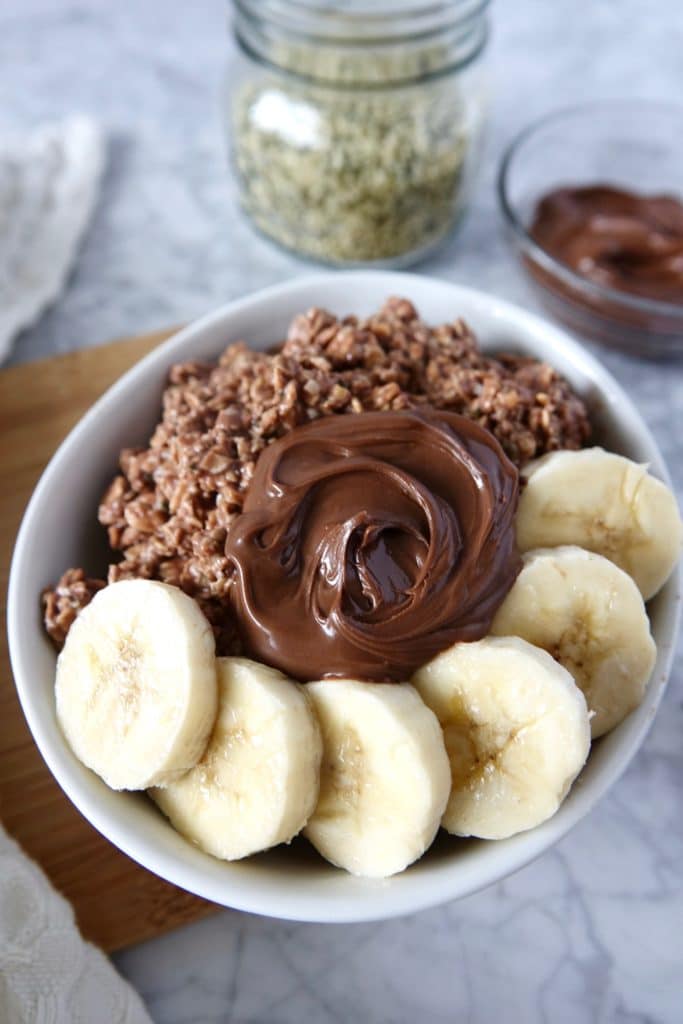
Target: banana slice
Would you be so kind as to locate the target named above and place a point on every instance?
(590, 616)
(516, 731)
(257, 783)
(384, 777)
(136, 684)
(607, 504)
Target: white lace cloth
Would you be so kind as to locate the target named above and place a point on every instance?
(48, 974)
(48, 187)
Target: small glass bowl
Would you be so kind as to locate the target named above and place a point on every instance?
(634, 145)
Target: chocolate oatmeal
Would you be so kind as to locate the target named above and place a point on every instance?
(170, 508)
(62, 604)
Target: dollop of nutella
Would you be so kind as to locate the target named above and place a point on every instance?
(370, 542)
(618, 239)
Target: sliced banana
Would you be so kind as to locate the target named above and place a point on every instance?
(384, 779)
(590, 616)
(257, 783)
(516, 731)
(136, 684)
(607, 504)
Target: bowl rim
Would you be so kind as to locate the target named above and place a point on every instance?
(366, 900)
(542, 256)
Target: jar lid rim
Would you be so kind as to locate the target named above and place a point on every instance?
(335, 84)
(363, 22)
(390, 51)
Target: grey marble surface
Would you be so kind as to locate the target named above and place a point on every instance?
(591, 931)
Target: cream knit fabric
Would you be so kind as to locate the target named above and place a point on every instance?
(48, 973)
(48, 187)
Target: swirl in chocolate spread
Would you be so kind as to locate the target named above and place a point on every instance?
(615, 238)
(368, 543)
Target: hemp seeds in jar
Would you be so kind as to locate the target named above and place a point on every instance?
(355, 126)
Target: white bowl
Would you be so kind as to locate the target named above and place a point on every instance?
(60, 530)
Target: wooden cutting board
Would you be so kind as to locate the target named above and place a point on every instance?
(116, 902)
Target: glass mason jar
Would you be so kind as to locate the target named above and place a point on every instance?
(355, 126)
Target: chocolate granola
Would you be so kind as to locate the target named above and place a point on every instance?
(170, 508)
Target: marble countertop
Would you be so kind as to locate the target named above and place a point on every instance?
(590, 932)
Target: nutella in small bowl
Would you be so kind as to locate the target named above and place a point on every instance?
(616, 238)
(592, 198)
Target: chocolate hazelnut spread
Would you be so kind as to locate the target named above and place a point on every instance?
(618, 239)
(369, 543)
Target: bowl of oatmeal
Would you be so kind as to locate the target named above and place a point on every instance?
(150, 484)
